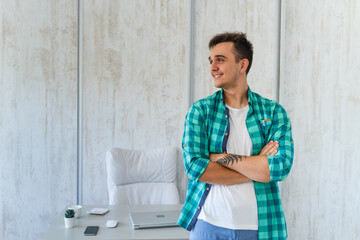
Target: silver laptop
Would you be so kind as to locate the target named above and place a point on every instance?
(154, 219)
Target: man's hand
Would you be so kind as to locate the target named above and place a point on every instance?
(270, 149)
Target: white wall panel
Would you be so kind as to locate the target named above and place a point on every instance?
(38, 114)
(259, 20)
(320, 90)
(135, 80)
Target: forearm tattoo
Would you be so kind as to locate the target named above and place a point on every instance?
(230, 159)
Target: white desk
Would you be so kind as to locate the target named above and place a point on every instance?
(124, 230)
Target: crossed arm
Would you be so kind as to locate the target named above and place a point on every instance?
(228, 169)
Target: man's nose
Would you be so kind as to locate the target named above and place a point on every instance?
(213, 67)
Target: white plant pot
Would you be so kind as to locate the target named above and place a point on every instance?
(69, 222)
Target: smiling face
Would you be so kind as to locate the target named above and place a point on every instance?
(226, 72)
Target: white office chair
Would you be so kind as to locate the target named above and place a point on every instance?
(142, 177)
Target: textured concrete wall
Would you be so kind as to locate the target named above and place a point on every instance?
(135, 82)
(320, 90)
(38, 114)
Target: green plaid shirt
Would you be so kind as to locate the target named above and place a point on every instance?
(204, 133)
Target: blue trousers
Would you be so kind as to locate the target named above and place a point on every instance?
(206, 231)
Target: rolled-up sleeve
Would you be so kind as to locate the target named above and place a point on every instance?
(195, 144)
(280, 164)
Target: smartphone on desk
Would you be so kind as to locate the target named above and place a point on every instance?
(91, 230)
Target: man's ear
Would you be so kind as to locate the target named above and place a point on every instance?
(244, 65)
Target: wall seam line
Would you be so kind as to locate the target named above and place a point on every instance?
(79, 110)
(191, 54)
(281, 50)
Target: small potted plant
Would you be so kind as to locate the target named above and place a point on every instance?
(69, 218)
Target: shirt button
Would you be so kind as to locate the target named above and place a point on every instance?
(226, 134)
(226, 116)
(207, 189)
(198, 207)
(224, 151)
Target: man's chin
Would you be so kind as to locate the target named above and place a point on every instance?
(218, 85)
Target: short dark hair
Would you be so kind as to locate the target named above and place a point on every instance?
(243, 48)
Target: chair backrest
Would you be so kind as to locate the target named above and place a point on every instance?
(142, 177)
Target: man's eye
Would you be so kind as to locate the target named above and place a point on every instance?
(220, 60)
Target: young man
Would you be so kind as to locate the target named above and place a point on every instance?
(237, 145)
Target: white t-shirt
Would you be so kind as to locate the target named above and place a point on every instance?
(233, 206)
